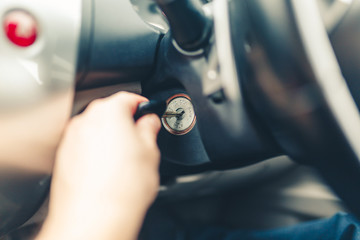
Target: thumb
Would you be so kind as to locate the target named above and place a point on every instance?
(148, 128)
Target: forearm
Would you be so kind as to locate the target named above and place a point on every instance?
(106, 173)
(93, 222)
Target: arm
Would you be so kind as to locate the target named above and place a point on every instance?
(106, 173)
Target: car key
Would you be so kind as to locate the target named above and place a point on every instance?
(153, 106)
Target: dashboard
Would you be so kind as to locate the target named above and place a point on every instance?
(244, 81)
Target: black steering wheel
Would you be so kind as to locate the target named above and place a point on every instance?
(301, 76)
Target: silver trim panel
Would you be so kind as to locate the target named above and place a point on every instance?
(36, 98)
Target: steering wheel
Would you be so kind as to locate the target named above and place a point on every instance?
(254, 79)
(307, 99)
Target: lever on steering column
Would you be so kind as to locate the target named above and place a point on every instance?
(190, 27)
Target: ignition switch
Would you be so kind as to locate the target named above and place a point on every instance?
(179, 117)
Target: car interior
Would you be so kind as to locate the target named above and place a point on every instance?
(263, 100)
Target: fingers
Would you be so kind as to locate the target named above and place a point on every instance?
(127, 102)
(148, 128)
(119, 107)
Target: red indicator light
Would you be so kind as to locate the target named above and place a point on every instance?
(20, 28)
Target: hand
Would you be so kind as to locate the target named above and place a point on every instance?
(106, 171)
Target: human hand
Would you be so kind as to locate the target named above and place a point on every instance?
(106, 169)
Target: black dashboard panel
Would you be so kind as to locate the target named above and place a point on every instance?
(219, 140)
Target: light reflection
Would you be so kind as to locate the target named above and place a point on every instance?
(32, 68)
(346, 1)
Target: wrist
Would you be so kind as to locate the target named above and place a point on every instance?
(90, 221)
